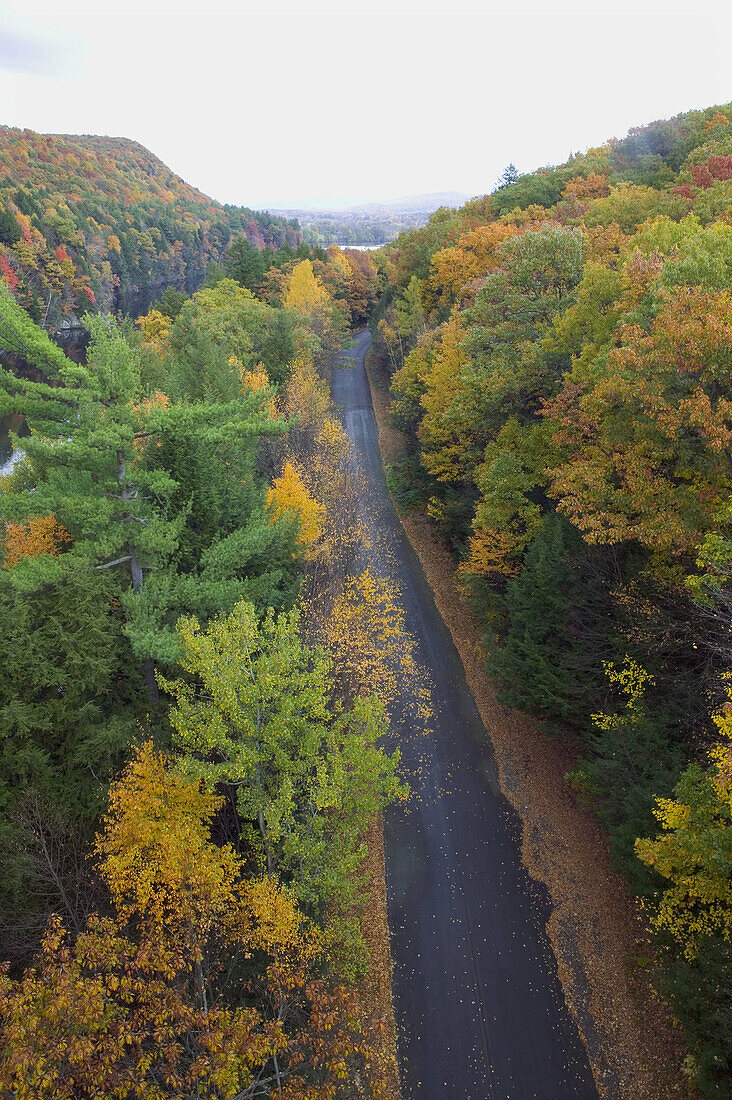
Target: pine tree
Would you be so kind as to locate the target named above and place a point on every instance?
(558, 629)
(91, 460)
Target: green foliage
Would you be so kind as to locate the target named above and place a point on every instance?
(70, 697)
(172, 302)
(247, 264)
(401, 478)
(9, 228)
(701, 993)
(219, 323)
(558, 628)
(633, 757)
(162, 506)
(257, 713)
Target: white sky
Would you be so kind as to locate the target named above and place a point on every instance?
(283, 103)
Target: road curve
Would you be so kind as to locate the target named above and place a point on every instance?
(480, 1011)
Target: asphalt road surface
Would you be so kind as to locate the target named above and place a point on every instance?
(479, 1007)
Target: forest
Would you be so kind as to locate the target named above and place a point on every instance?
(198, 669)
(559, 354)
(100, 224)
(194, 697)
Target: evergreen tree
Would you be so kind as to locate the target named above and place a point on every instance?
(247, 264)
(558, 628)
(91, 454)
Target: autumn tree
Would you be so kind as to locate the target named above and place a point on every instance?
(40, 536)
(565, 407)
(473, 256)
(305, 401)
(155, 329)
(325, 318)
(647, 436)
(372, 651)
(694, 850)
(200, 982)
(333, 478)
(290, 497)
(256, 712)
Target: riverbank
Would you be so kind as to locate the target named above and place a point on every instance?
(598, 938)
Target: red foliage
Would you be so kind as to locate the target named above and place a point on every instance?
(702, 176)
(61, 254)
(716, 168)
(720, 167)
(254, 233)
(90, 294)
(8, 274)
(685, 191)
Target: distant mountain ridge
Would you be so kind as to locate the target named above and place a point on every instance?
(414, 203)
(418, 203)
(89, 221)
(371, 222)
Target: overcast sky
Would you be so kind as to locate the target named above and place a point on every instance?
(281, 103)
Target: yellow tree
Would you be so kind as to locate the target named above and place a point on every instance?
(155, 328)
(289, 496)
(306, 401)
(326, 318)
(694, 849)
(149, 1002)
(372, 650)
(332, 478)
(157, 856)
(305, 293)
(443, 435)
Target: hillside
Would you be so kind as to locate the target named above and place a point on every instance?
(370, 223)
(99, 221)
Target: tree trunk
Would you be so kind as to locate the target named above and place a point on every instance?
(136, 573)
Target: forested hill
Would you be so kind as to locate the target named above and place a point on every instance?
(560, 361)
(91, 222)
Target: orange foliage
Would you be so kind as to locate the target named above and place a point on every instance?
(631, 471)
(593, 186)
(41, 536)
(474, 255)
(717, 119)
(134, 1006)
(604, 243)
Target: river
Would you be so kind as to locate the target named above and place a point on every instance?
(8, 456)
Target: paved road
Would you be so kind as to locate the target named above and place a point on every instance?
(480, 1011)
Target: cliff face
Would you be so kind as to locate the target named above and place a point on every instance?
(102, 223)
